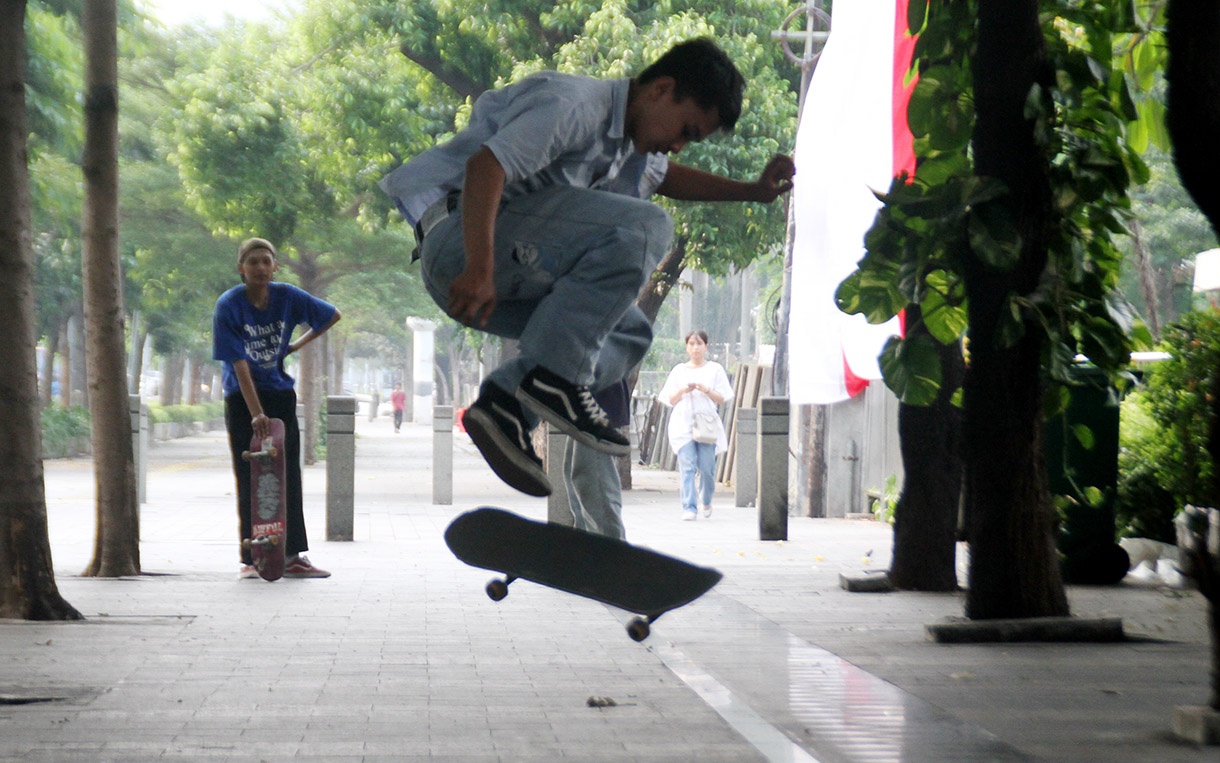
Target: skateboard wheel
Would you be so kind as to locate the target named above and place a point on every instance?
(273, 451)
(245, 455)
(497, 590)
(246, 544)
(638, 629)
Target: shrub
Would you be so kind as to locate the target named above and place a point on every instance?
(1177, 397)
(186, 414)
(1143, 508)
(61, 428)
(1163, 462)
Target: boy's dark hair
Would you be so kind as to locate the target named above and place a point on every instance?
(702, 71)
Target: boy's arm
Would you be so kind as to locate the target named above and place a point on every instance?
(258, 420)
(472, 295)
(689, 184)
(311, 335)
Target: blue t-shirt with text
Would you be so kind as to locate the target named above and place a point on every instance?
(240, 331)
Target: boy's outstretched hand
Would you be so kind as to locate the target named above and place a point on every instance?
(776, 177)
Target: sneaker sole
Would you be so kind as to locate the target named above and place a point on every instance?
(570, 429)
(503, 457)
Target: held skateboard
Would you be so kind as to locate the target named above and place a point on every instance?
(268, 505)
(604, 569)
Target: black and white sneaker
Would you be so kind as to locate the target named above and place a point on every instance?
(496, 425)
(573, 409)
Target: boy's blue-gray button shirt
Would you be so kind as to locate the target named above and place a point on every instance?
(548, 129)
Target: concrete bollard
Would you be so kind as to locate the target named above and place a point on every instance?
(745, 483)
(340, 466)
(773, 468)
(558, 510)
(139, 444)
(442, 455)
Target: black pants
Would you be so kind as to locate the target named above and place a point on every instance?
(277, 404)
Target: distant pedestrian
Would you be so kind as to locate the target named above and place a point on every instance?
(695, 389)
(398, 399)
(252, 331)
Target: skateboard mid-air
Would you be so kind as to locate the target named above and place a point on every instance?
(268, 505)
(604, 569)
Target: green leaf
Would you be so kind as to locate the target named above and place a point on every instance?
(993, 237)
(1084, 436)
(911, 368)
(1094, 497)
(958, 398)
(943, 307)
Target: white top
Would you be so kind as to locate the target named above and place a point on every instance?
(711, 375)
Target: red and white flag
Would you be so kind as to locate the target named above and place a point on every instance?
(852, 140)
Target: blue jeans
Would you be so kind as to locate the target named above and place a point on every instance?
(595, 493)
(696, 457)
(569, 264)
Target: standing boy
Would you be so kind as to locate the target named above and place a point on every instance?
(533, 224)
(252, 331)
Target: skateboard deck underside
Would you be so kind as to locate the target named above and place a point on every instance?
(594, 566)
(268, 504)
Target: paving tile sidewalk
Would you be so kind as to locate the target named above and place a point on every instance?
(401, 656)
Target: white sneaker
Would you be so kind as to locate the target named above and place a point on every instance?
(707, 510)
(690, 515)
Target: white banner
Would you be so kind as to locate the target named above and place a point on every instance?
(844, 152)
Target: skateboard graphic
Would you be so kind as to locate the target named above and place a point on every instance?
(604, 569)
(268, 505)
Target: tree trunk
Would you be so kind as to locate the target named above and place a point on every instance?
(1014, 562)
(1148, 289)
(77, 376)
(65, 368)
(338, 353)
(925, 521)
(1193, 107)
(27, 578)
(196, 383)
(117, 547)
(308, 397)
(171, 378)
(653, 295)
(1193, 118)
(46, 396)
(136, 354)
(311, 389)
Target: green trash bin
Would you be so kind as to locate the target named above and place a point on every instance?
(1087, 537)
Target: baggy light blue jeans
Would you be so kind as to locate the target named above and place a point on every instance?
(696, 457)
(569, 264)
(595, 493)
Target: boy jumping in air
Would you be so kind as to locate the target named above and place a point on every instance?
(533, 223)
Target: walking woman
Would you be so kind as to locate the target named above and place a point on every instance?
(251, 335)
(695, 390)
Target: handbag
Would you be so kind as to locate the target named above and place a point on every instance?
(704, 428)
